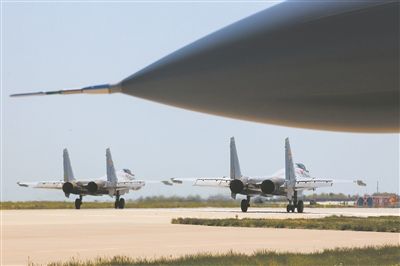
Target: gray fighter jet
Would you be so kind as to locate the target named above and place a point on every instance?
(290, 181)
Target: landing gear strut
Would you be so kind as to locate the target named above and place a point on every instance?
(78, 202)
(245, 204)
(119, 202)
(299, 205)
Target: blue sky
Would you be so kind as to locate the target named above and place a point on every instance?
(49, 46)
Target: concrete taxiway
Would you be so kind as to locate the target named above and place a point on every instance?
(42, 236)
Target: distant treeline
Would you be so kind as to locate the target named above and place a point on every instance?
(331, 197)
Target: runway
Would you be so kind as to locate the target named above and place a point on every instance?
(43, 236)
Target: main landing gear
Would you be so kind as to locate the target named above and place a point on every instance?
(245, 204)
(299, 205)
(78, 202)
(119, 202)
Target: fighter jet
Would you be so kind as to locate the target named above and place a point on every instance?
(330, 65)
(290, 181)
(115, 183)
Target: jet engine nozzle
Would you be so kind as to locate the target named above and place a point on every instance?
(92, 187)
(236, 186)
(68, 187)
(267, 187)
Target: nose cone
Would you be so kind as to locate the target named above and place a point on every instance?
(317, 64)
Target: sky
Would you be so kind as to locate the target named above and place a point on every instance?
(50, 46)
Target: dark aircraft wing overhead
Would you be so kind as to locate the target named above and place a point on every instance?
(331, 65)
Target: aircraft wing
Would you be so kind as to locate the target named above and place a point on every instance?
(205, 181)
(307, 184)
(212, 182)
(42, 184)
(167, 181)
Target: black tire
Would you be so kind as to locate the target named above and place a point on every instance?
(78, 204)
(288, 208)
(292, 208)
(244, 205)
(300, 206)
(121, 203)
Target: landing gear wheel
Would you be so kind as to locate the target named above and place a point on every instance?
(290, 208)
(244, 205)
(78, 203)
(121, 203)
(300, 206)
(116, 204)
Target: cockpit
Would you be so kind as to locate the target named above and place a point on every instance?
(301, 166)
(127, 171)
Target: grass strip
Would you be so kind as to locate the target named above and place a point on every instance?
(378, 224)
(157, 202)
(26, 205)
(384, 255)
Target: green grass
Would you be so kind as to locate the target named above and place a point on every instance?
(386, 255)
(21, 205)
(147, 202)
(26, 205)
(150, 202)
(378, 224)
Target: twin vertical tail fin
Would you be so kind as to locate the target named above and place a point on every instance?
(111, 175)
(68, 174)
(290, 175)
(235, 167)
